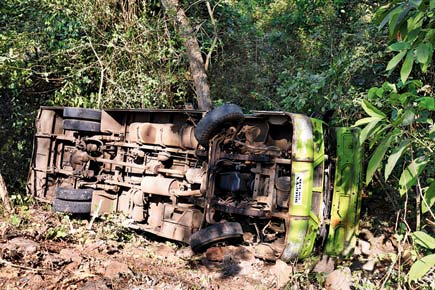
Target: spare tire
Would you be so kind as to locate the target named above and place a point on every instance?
(82, 194)
(74, 207)
(215, 233)
(209, 125)
(82, 114)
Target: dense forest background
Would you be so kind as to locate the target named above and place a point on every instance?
(369, 61)
(299, 56)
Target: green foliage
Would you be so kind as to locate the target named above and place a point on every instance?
(82, 53)
(403, 128)
(410, 175)
(15, 220)
(372, 110)
(423, 239)
(401, 124)
(428, 198)
(56, 233)
(60, 231)
(410, 26)
(299, 56)
(421, 267)
(20, 217)
(396, 154)
(94, 54)
(113, 229)
(378, 155)
(303, 56)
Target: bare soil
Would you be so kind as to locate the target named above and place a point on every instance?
(40, 249)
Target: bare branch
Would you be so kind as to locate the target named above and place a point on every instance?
(102, 69)
(215, 37)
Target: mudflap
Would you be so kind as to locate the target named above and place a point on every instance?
(347, 191)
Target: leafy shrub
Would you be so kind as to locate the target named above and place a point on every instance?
(401, 126)
(401, 121)
(303, 56)
(82, 53)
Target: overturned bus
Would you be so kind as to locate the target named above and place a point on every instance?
(278, 179)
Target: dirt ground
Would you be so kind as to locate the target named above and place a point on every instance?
(40, 249)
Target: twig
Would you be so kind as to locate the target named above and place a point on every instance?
(386, 188)
(405, 210)
(393, 263)
(102, 69)
(421, 142)
(420, 191)
(390, 269)
(7, 263)
(417, 196)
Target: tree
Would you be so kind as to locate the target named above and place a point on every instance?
(196, 63)
(4, 194)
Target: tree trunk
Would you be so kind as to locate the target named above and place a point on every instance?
(196, 63)
(4, 194)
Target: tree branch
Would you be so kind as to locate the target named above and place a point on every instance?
(196, 63)
(102, 69)
(215, 37)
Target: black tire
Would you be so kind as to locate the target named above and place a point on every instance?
(84, 194)
(75, 207)
(79, 125)
(82, 114)
(216, 119)
(215, 233)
